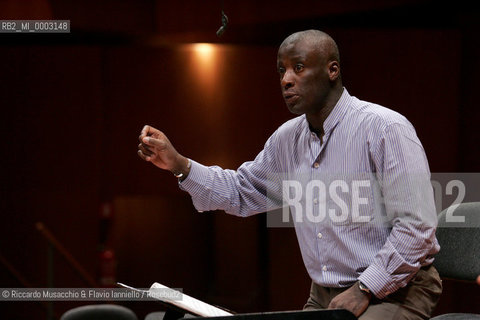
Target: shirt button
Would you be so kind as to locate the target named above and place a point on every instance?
(324, 268)
(316, 165)
(319, 235)
(315, 201)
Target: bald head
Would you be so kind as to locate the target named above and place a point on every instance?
(308, 63)
(319, 41)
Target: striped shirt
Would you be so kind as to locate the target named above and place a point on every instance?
(360, 197)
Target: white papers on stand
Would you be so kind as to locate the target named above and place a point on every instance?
(186, 302)
(168, 295)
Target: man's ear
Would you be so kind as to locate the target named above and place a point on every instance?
(333, 70)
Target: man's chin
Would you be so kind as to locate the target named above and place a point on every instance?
(295, 109)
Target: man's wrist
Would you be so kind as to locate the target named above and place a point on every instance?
(362, 287)
(183, 170)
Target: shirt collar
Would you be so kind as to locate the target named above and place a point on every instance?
(337, 114)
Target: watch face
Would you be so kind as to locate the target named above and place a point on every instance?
(363, 287)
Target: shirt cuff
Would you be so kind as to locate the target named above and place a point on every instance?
(198, 176)
(378, 281)
(197, 182)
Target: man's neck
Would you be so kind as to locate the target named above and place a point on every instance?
(316, 120)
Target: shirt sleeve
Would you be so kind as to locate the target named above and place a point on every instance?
(404, 177)
(251, 189)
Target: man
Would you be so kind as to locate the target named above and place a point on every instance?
(368, 247)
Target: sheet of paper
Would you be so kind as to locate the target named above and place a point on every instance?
(186, 302)
(131, 288)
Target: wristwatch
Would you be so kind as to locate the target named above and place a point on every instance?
(363, 287)
(181, 175)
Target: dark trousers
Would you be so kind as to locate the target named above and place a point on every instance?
(415, 301)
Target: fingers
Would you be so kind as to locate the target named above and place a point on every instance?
(145, 149)
(148, 131)
(149, 136)
(144, 152)
(156, 148)
(143, 156)
(145, 131)
(351, 299)
(150, 142)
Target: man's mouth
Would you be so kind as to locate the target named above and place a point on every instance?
(290, 97)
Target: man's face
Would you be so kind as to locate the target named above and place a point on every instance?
(304, 77)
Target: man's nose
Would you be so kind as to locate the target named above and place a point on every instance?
(287, 80)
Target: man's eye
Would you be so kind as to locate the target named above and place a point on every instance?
(281, 70)
(298, 67)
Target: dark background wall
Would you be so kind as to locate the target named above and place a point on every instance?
(73, 106)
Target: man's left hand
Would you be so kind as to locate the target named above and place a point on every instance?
(353, 299)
